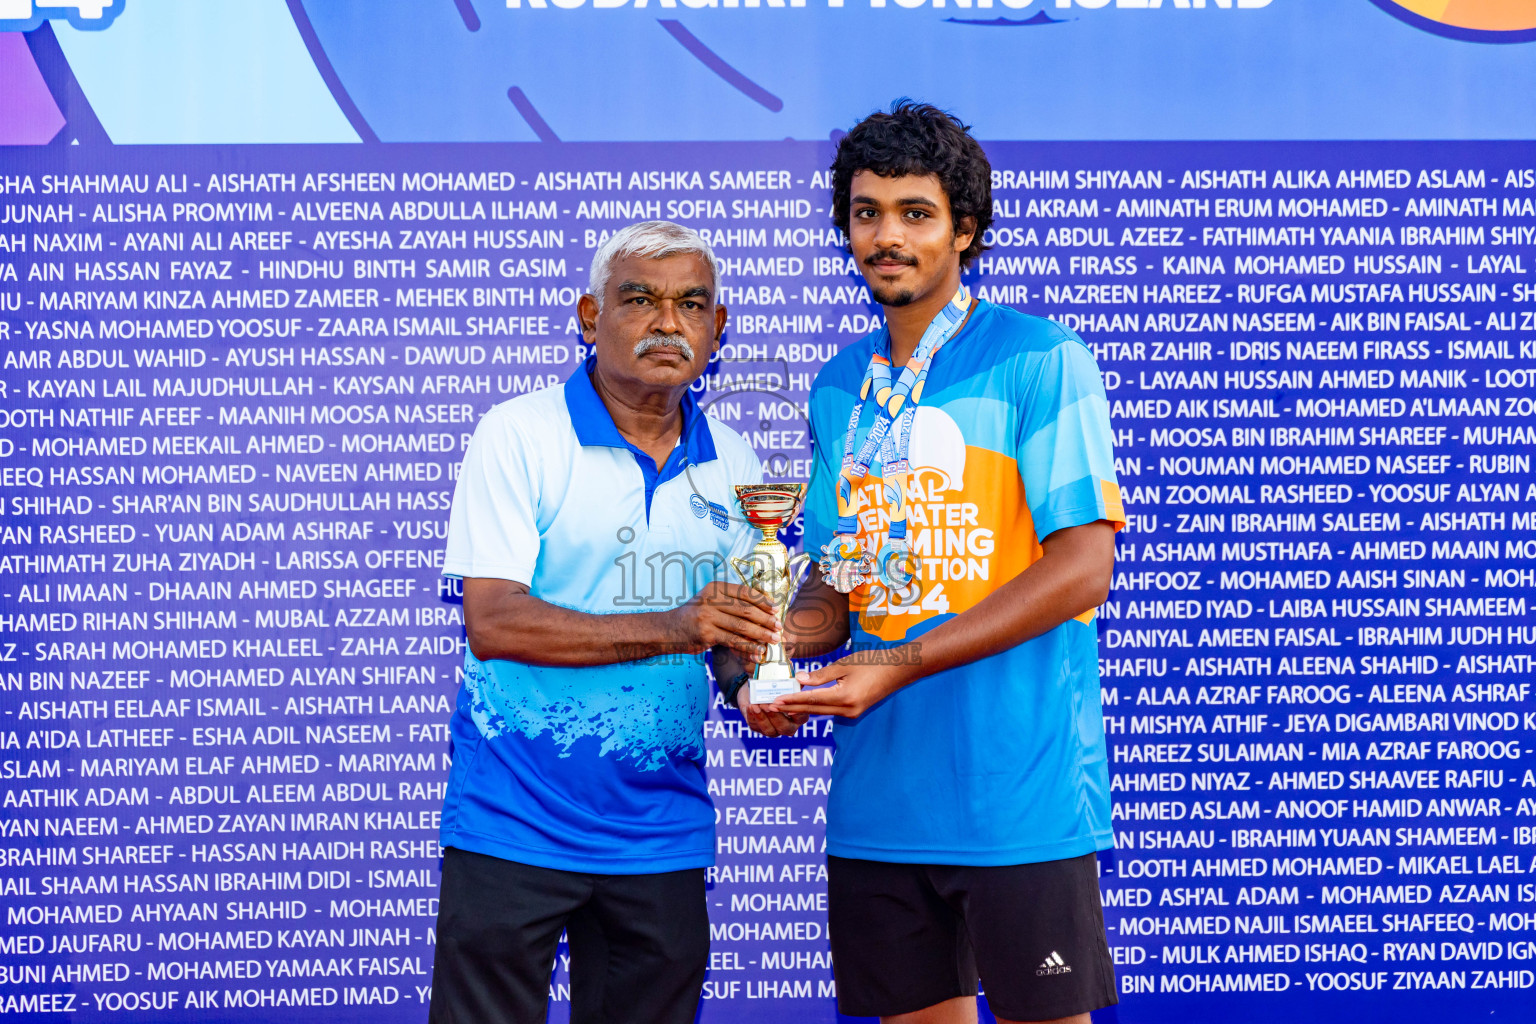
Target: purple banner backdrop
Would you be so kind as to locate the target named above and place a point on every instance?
(237, 383)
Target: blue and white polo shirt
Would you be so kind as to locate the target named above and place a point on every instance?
(597, 769)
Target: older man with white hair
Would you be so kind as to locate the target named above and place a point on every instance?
(591, 525)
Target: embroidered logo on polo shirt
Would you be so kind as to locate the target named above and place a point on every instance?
(719, 516)
(699, 505)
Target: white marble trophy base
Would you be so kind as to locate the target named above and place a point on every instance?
(772, 679)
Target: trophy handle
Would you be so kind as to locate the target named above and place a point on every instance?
(798, 566)
(745, 574)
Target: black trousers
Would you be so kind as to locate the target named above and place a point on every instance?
(639, 943)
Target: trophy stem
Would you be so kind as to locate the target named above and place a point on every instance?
(769, 507)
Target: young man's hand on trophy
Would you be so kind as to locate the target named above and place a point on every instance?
(767, 720)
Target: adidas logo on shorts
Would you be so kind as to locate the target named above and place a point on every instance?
(1053, 964)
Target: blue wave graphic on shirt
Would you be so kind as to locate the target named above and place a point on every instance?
(632, 720)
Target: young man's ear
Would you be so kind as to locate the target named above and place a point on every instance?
(965, 233)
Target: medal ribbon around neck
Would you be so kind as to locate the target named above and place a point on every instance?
(845, 564)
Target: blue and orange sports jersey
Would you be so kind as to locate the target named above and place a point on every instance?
(1001, 761)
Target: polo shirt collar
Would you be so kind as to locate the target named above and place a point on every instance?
(594, 425)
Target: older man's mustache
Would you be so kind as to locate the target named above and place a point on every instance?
(651, 342)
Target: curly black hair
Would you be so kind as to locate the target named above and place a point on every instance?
(918, 138)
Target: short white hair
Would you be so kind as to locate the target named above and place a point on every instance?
(652, 239)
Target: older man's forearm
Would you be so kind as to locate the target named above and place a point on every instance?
(502, 620)
(525, 629)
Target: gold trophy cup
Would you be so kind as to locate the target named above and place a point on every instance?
(770, 507)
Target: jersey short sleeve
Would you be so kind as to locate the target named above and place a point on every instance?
(820, 510)
(493, 526)
(1064, 449)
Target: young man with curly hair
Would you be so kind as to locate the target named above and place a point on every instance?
(964, 500)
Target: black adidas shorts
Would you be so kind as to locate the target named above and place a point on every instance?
(639, 944)
(906, 936)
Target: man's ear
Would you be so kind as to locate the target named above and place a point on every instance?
(965, 233)
(720, 318)
(586, 314)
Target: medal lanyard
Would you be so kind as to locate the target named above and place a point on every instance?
(898, 399)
